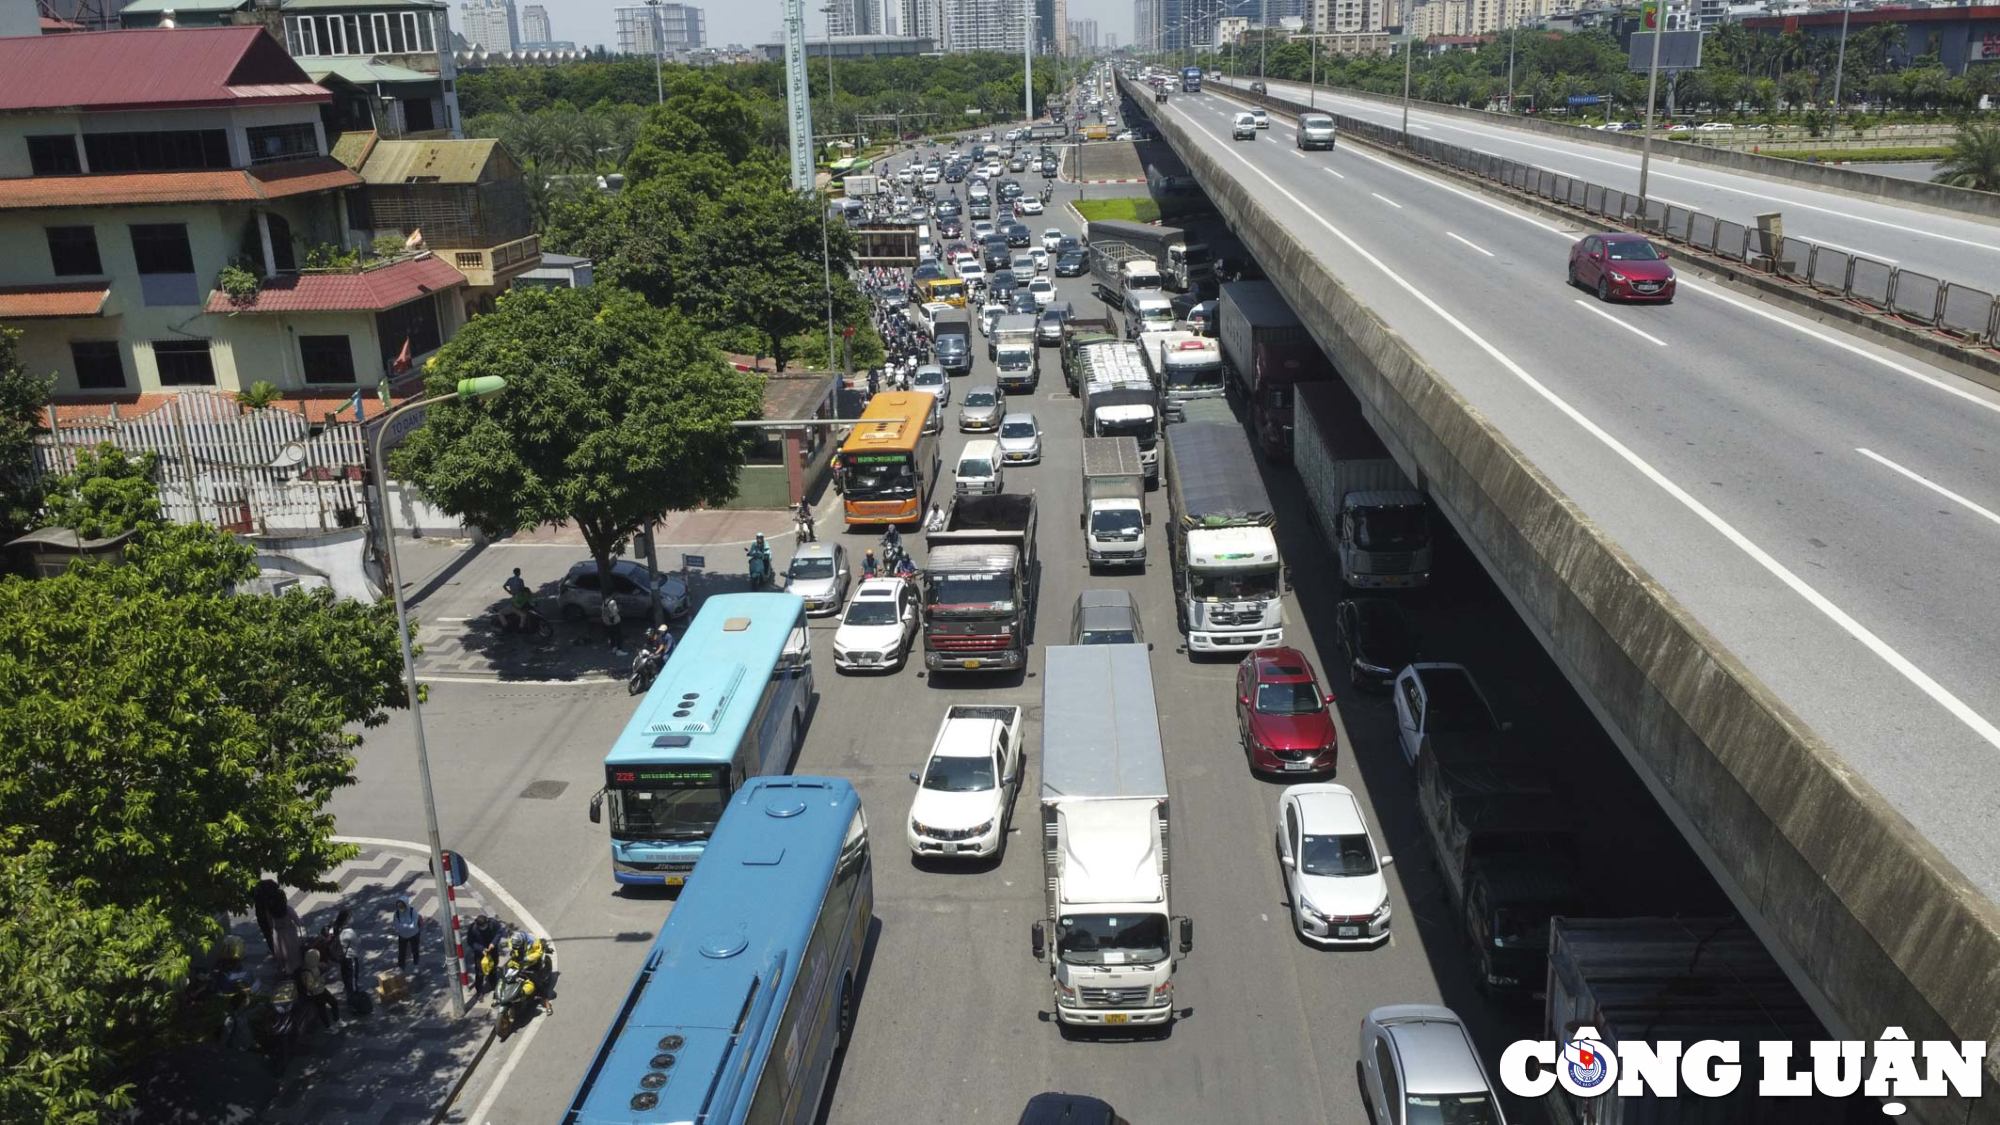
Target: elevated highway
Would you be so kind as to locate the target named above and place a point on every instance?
(1761, 550)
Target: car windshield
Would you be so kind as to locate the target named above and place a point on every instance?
(1110, 637)
(1232, 586)
(1112, 939)
(1633, 250)
(1310, 122)
(980, 398)
(930, 378)
(1392, 529)
(1452, 705)
(1018, 430)
(960, 775)
(1451, 1109)
(1336, 855)
(975, 467)
(814, 567)
(1295, 698)
(871, 611)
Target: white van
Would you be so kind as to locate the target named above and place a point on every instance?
(1147, 310)
(979, 469)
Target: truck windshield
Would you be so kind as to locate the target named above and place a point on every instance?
(1521, 928)
(1452, 1109)
(1112, 939)
(1336, 855)
(1392, 529)
(1118, 523)
(1141, 428)
(668, 813)
(1011, 359)
(959, 775)
(1233, 586)
(975, 591)
(880, 480)
(1194, 377)
(1158, 314)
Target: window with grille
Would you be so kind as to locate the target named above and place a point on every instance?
(272, 143)
(326, 359)
(176, 150)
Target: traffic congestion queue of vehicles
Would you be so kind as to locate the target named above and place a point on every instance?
(1376, 521)
(1220, 539)
(1118, 399)
(1266, 352)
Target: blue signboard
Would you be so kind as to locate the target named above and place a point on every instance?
(1584, 99)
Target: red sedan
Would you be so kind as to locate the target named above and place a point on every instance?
(1283, 716)
(1621, 267)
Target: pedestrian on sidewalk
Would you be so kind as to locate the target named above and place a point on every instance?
(409, 926)
(335, 940)
(279, 924)
(614, 624)
(312, 986)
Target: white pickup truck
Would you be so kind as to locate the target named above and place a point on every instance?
(966, 790)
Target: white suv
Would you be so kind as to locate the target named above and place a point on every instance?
(875, 632)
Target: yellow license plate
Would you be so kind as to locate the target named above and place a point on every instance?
(675, 881)
(968, 664)
(1115, 1017)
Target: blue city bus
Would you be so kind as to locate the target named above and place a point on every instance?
(729, 706)
(747, 996)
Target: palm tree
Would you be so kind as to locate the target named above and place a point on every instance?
(1974, 160)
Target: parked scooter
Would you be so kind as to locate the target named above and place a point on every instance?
(526, 965)
(533, 625)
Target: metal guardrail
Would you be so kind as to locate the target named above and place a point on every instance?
(1962, 311)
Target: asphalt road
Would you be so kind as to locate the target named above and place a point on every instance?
(1764, 469)
(953, 1023)
(1957, 249)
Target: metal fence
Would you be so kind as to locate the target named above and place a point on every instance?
(244, 470)
(1959, 310)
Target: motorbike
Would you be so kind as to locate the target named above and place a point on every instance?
(646, 665)
(760, 569)
(525, 966)
(533, 625)
(893, 555)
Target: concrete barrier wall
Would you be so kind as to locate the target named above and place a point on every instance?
(1826, 177)
(1879, 926)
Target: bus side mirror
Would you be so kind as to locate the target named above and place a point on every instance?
(1038, 938)
(1186, 927)
(597, 808)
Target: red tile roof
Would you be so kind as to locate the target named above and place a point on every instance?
(32, 302)
(319, 406)
(235, 185)
(150, 69)
(367, 291)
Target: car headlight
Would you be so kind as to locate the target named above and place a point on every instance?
(1616, 276)
(1381, 912)
(983, 829)
(917, 826)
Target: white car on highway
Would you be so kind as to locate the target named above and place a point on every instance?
(875, 632)
(1043, 290)
(931, 378)
(1051, 238)
(1041, 258)
(1028, 205)
(968, 269)
(1331, 870)
(966, 790)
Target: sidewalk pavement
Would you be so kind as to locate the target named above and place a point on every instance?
(401, 1063)
(455, 587)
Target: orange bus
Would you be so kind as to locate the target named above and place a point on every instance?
(890, 461)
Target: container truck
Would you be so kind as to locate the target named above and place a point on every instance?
(1190, 80)
(1116, 268)
(859, 186)
(954, 342)
(1685, 979)
(1118, 399)
(1266, 352)
(1183, 262)
(1077, 333)
(1114, 514)
(1014, 352)
(1109, 934)
(1377, 523)
(1185, 366)
(1227, 575)
(979, 581)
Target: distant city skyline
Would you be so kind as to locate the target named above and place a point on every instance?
(592, 23)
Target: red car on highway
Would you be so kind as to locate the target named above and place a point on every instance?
(1621, 267)
(1285, 722)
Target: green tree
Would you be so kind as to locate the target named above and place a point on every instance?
(614, 412)
(1974, 160)
(83, 978)
(1764, 95)
(107, 494)
(180, 740)
(23, 398)
(698, 116)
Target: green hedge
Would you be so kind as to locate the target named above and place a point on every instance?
(1136, 209)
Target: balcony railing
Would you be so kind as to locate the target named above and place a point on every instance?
(483, 266)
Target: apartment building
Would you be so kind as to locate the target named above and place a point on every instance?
(535, 26)
(389, 62)
(680, 28)
(492, 24)
(856, 17)
(182, 219)
(1083, 33)
(1354, 17)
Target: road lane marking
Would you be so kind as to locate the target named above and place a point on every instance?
(1903, 666)
(1475, 246)
(1331, 172)
(1387, 200)
(1588, 307)
(1481, 200)
(1987, 514)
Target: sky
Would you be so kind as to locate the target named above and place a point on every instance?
(588, 23)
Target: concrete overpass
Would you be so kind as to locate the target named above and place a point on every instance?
(1760, 549)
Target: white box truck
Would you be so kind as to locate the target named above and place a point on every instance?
(1110, 936)
(1185, 366)
(1114, 514)
(1228, 578)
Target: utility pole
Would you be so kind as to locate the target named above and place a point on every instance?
(1028, 58)
(1263, 33)
(1840, 63)
(1513, 34)
(1654, 12)
(1409, 47)
(659, 49)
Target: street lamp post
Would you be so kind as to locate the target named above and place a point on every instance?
(1513, 33)
(1263, 33)
(1409, 48)
(1659, 10)
(825, 246)
(467, 389)
(659, 49)
(1840, 61)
